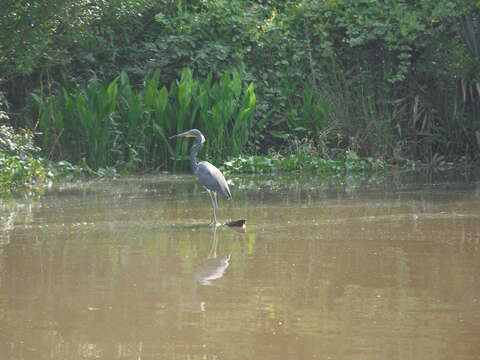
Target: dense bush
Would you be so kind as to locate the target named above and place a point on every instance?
(21, 165)
(18, 164)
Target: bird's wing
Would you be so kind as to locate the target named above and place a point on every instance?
(212, 178)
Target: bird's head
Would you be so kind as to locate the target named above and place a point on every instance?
(200, 139)
(190, 133)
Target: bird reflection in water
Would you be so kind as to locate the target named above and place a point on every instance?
(212, 268)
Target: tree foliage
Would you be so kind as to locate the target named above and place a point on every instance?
(394, 78)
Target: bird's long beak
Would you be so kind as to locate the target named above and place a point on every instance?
(185, 134)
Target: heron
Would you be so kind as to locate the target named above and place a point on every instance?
(207, 175)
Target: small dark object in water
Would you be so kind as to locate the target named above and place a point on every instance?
(236, 223)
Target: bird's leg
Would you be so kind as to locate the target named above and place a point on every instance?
(214, 217)
(216, 204)
(216, 201)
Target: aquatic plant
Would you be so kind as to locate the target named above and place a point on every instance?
(343, 164)
(115, 125)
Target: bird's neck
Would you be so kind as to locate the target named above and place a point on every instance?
(193, 152)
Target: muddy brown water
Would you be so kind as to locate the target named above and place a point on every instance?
(125, 269)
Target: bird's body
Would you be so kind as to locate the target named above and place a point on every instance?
(207, 174)
(212, 178)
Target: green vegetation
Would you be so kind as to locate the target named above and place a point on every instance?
(114, 125)
(106, 83)
(20, 165)
(17, 165)
(344, 165)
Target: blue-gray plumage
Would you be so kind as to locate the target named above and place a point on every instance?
(210, 177)
(207, 174)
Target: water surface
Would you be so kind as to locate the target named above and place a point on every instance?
(126, 269)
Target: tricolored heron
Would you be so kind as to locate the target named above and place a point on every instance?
(207, 174)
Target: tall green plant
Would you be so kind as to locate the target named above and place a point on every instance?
(97, 111)
(308, 112)
(158, 122)
(226, 114)
(364, 112)
(469, 29)
(114, 124)
(183, 107)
